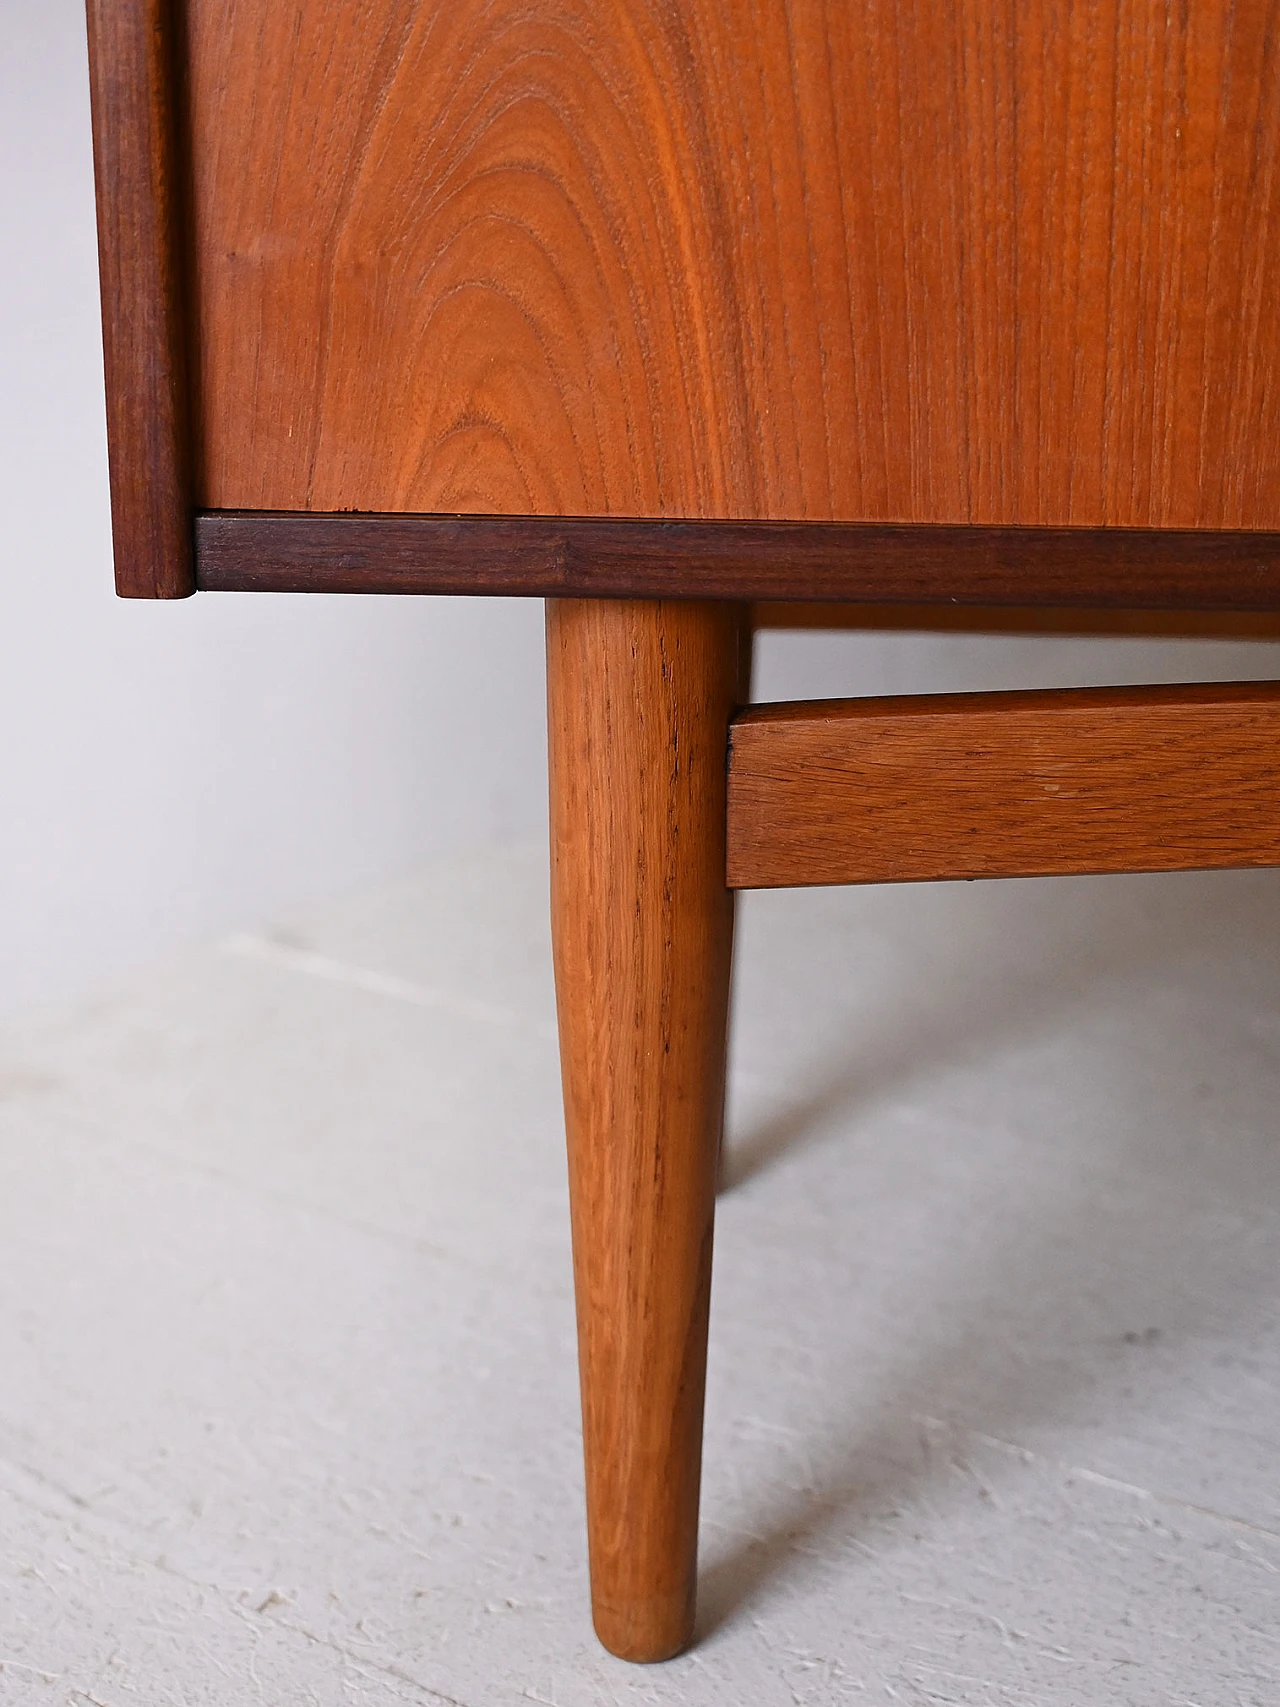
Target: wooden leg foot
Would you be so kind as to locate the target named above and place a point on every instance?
(639, 698)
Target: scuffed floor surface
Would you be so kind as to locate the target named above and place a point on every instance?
(288, 1403)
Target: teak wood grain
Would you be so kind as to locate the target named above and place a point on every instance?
(963, 261)
(135, 70)
(1005, 785)
(546, 557)
(639, 699)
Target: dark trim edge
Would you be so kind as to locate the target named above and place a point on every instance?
(540, 556)
(133, 75)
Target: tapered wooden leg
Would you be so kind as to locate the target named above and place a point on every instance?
(639, 698)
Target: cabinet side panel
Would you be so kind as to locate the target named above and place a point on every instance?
(134, 64)
(1005, 262)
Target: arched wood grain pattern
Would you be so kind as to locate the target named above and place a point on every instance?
(975, 261)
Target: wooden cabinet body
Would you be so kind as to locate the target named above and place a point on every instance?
(998, 263)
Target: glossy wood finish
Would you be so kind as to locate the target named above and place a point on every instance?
(1005, 785)
(988, 261)
(543, 556)
(639, 700)
(134, 61)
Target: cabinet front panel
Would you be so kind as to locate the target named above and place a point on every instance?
(975, 261)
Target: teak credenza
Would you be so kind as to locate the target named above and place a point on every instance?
(962, 310)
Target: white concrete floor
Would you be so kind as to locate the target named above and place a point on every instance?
(287, 1389)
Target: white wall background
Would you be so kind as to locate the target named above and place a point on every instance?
(171, 770)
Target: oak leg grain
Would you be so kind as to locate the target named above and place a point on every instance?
(639, 697)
